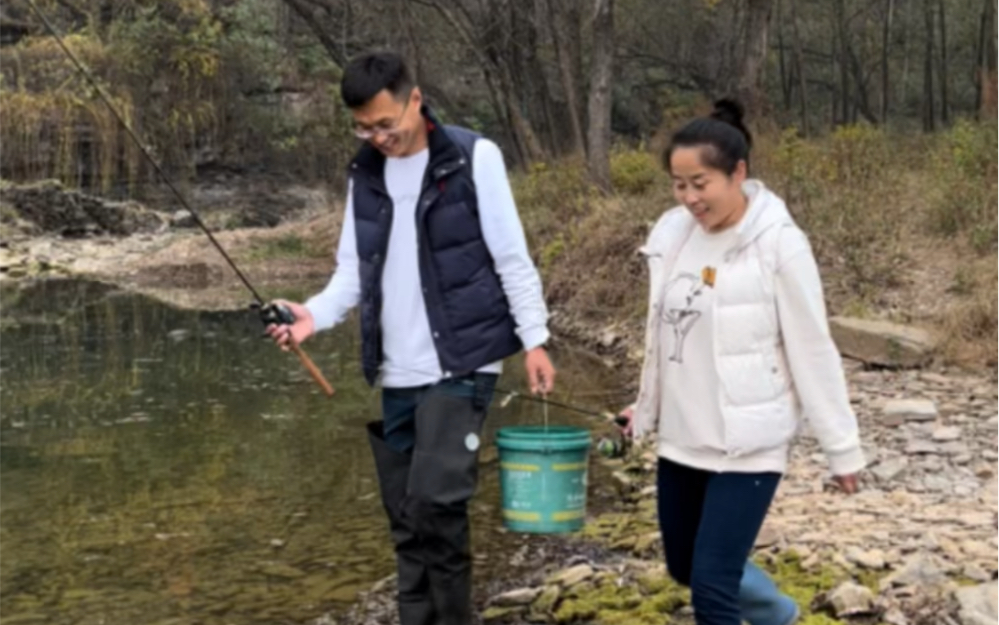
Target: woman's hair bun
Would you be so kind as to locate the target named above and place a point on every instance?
(731, 112)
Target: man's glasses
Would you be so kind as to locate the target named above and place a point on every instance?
(384, 128)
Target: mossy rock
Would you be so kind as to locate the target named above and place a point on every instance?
(497, 614)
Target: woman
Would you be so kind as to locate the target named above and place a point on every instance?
(737, 345)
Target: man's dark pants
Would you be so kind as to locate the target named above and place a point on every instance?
(426, 454)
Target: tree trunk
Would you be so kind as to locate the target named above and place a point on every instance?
(598, 158)
(929, 113)
(306, 11)
(861, 100)
(567, 71)
(983, 53)
(496, 71)
(834, 89)
(799, 62)
(843, 62)
(785, 79)
(404, 37)
(885, 41)
(754, 53)
(523, 43)
(943, 74)
(903, 91)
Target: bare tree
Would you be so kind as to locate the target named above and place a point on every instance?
(753, 52)
(598, 157)
(984, 53)
(799, 63)
(929, 112)
(312, 12)
(885, 47)
(563, 20)
(528, 74)
(785, 79)
(943, 74)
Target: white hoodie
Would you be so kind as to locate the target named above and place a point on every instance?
(751, 330)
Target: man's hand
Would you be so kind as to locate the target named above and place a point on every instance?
(303, 328)
(540, 372)
(847, 483)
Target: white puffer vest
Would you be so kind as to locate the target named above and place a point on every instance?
(757, 398)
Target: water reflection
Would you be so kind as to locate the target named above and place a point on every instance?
(168, 466)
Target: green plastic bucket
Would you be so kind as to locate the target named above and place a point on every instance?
(543, 477)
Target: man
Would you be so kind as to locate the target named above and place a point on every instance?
(434, 252)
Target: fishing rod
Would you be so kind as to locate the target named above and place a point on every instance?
(543, 399)
(269, 313)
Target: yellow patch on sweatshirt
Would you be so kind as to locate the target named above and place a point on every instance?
(708, 276)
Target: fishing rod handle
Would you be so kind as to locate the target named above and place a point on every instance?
(313, 370)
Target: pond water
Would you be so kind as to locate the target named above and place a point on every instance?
(164, 466)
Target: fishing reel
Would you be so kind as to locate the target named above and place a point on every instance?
(273, 314)
(615, 446)
(276, 314)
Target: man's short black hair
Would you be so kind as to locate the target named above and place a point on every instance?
(369, 73)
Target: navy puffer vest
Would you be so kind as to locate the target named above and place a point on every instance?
(468, 310)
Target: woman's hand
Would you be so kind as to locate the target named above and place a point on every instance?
(847, 483)
(624, 419)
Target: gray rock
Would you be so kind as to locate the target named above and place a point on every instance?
(975, 573)
(768, 537)
(851, 599)
(920, 570)
(546, 601)
(572, 576)
(902, 410)
(937, 483)
(921, 447)
(956, 449)
(183, 219)
(498, 613)
(889, 470)
(947, 434)
(882, 342)
(978, 604)
(873, 559)
(935, 378)
(73, 214)
(520, 596)
(894, 616)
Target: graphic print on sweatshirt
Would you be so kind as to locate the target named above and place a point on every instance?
(686, 288)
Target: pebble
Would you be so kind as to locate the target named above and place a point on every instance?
(946, 434)
(909, 410)
(921, 447)
(851, 599)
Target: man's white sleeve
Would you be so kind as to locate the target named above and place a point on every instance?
(504, 236)
(343, 292)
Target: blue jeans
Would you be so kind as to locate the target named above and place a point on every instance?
(709, 523)
(399, 405)
(761, 602)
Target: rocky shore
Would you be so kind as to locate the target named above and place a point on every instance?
(917, 545)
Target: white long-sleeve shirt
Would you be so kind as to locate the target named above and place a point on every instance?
(410, 358)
